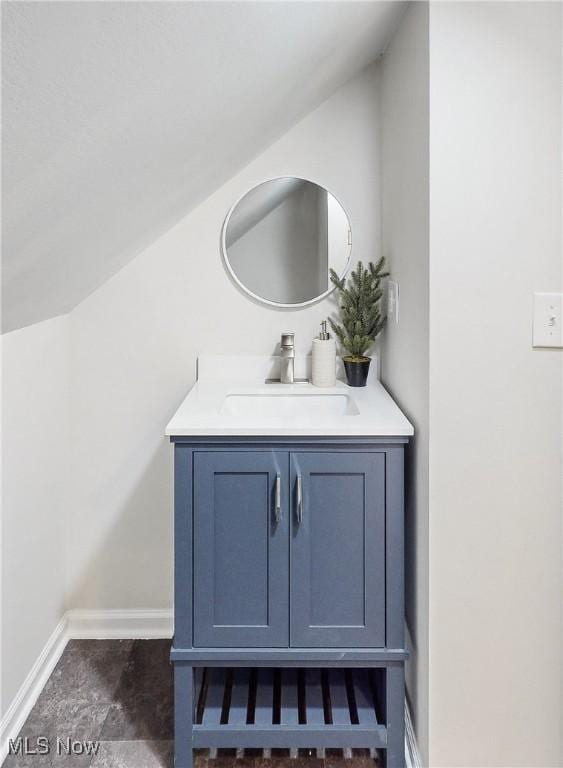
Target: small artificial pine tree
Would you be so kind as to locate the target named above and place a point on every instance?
(360, 308)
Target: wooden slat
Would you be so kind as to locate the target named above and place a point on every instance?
(280, 737)
(301, 706)
(378, 684)
(314, 697)
(198, 675)
(364, 698)
(338, 697)
(350, 696)
(239, 697)
(289, 705)
(264, 697)
(214, 701)
(201, 692)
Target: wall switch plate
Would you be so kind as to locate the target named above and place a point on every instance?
(548, 320)
(393, 300)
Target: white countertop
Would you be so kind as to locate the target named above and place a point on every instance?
(204, 413)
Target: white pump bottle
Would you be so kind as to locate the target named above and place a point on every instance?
(324, 359)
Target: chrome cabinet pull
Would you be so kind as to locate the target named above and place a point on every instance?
(299, 499)
(278, 510)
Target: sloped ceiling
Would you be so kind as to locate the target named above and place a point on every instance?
(119, 117)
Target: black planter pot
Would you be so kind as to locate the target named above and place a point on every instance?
(357, 372)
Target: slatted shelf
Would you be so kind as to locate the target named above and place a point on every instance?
(286, 708)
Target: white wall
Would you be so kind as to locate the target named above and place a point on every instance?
(495, 403)
(404, 159)
(35, 434)
(118, 118)
(134, 344)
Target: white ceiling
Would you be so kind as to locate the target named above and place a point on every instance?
(119, 117)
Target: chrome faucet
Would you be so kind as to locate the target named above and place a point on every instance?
(287, 358)
(287, 362)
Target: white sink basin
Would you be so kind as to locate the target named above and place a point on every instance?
(294, 405)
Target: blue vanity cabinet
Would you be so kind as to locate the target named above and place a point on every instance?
(337, 591)
(289, 594)
(240, 543)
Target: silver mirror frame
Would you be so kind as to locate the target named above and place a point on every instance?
(241, 285)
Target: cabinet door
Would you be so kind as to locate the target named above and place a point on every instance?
(241, 549)
(337, 596)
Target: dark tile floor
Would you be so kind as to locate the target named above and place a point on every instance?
(119, 693)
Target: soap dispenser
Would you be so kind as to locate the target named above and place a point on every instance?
(324, 359)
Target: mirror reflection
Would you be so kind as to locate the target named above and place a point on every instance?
(281, 239)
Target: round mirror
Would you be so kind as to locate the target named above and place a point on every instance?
(281, 239)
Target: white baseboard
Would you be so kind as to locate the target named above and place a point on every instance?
(21, 706)
(412, 754)
(97, 625)
(121, 625)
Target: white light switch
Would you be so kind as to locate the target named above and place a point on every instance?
(548, 317)
(393, 300)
